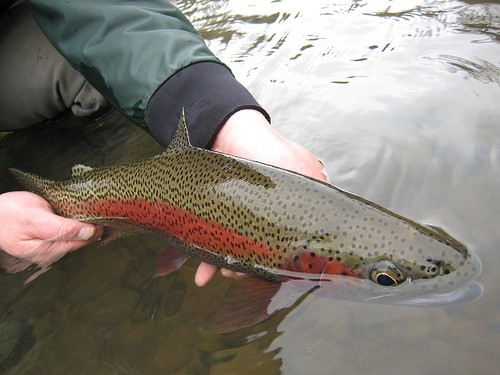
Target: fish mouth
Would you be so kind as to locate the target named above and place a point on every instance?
(467, 291)
(364, 291)
(461, 295)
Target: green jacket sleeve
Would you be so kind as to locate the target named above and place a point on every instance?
(146, 58)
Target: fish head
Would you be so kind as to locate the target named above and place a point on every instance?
(429, 257)
(408, 264)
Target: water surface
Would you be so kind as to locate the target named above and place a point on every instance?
(398, 99)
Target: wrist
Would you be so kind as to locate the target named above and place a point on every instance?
(244, 126)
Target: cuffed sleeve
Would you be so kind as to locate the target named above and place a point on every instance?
(208, 93)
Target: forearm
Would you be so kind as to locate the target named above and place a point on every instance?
(147, 60)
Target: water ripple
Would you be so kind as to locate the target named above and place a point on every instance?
(481, 70)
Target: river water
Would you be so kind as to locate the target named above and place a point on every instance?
(399, 99)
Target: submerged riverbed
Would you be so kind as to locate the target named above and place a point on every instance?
(400, 102)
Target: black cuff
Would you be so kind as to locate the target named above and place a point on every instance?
(209, 94)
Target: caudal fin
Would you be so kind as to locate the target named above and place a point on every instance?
(31, 182)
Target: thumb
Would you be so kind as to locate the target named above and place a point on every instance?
(85, 232)
(56, 228)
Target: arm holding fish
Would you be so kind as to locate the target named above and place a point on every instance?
(181, 73)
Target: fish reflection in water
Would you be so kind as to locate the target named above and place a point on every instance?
(289, 233)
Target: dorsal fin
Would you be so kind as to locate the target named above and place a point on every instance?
(181, 137)
(79, 169)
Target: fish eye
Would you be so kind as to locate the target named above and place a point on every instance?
(384, 279)
(386, 274)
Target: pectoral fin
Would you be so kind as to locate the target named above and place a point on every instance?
(251, 300)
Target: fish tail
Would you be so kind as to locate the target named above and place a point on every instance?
(31, 182)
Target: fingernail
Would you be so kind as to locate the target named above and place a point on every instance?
(86, 233)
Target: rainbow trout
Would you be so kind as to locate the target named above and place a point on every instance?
(285, 228)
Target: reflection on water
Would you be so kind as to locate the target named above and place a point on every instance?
(399, 100)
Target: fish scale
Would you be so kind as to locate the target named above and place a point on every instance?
(256, 218)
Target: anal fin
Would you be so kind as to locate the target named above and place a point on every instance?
(169, 260)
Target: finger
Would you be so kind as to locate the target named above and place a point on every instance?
(58, 248)
(63, 245)
(52, 236)
(205, 273)
(47, 226)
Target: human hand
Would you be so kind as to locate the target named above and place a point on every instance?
(31, 231)
(248, 134)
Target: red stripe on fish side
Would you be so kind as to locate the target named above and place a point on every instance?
(180, 223)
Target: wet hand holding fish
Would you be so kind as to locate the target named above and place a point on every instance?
(31, 231)
(275, 224)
